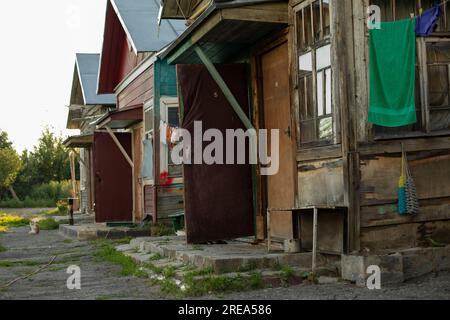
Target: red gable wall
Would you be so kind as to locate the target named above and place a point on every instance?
(118, 58)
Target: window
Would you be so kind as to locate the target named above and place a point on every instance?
(438, 89)
(148, 119)
(147, 143)
(432, 70)
(170, 115)
(314, 74)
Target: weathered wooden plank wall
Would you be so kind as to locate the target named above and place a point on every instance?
(137, 92)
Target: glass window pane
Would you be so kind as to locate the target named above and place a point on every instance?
(173, 116)
(323, 57)
(148, 120)
(305, 63)
(320, 94)
(328, 97)
(326, 128)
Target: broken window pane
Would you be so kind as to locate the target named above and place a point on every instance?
(326, 17)
(326, 128)
(317, 22)
(308, 26)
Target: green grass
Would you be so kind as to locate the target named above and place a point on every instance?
(156, 257)
(2, 248)
(161, 230)
(220, 284)
(27, 203)
(53, 212)
(11, 221)
(286, 274)
(107, 252)
(25, 263)
(49, 224)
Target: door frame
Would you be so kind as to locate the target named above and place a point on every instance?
(263, 47)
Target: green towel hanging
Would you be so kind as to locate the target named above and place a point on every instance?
(392, 74)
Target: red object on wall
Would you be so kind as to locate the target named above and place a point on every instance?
(164, 179)
(113, 178)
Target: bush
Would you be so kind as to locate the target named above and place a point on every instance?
(53, 190)
(45, 195)
(48, 224)
(11, 221)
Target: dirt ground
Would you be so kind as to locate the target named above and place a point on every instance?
(101, 280)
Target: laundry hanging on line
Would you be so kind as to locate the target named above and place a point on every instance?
(392, 74)
(427, 22)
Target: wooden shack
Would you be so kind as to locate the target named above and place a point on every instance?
(85, 107)
(308, 76)
(130, 69)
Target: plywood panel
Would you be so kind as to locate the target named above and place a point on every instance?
(405, 235)
(321, 183)
(379, 177)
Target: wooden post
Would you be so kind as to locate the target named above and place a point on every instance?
(223, 86)
(119, 145)
(314, 244)
(269, 239)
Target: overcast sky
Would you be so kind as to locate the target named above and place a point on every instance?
(37, 58)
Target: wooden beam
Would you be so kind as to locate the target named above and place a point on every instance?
(180, 51)
(223, 86)
(119, 145)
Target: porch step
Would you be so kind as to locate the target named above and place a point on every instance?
(92, 231)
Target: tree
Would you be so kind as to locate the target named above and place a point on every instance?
(49, 160)
(4, 140)
(10, 164)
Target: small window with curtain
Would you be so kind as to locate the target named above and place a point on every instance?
(314, 72)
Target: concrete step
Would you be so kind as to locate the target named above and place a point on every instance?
(94, 231)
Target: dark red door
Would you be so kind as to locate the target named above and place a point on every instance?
(113, 179)
(218, 198)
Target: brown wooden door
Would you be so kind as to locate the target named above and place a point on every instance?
(113, 179)
(218, 198)
(277, 115)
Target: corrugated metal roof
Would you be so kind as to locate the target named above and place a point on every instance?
(87, 66)
(181, 9)
(139, 18)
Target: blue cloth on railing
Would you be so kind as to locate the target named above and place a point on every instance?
(426, 23)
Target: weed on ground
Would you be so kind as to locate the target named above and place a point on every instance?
(107, 252)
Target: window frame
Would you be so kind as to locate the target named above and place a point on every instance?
(149, 135)
(167, 102)
(302, 49)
